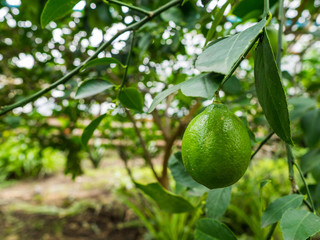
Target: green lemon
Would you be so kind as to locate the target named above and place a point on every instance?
(216, 147)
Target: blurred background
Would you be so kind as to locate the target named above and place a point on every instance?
(53, 187)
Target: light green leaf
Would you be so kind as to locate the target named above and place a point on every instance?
(270, 92)
(173, 14)
(92, 87)
(101, 61)
(163, 95)
(131, 98)
(167, 201)
(180, 174)
(274, 211)
(55, 9)
(203, 85)
(88, 131)
(217, 20)
(217, 202)
(221, 56)
(212, 229)
(298, 224)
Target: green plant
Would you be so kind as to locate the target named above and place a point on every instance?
(114, 87)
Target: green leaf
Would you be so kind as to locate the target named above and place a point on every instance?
(298, 224)
(173, 14)
(300, 106)
(217, 20)
(221, 56)
(131, 98)
(274, 211)
(163, 95)
(101, 61)
(270, 92)
(217, 202)
(92, 87)
(88, 131)
(232, 86)
(310, 124)
(203, 85)
(179, 172)
(167, 201)
(212, 229)
(310, 160)
(55, 9)
(246, 7)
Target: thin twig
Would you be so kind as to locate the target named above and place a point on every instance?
(68, 76)
(141, 10)
(271, 231)
(279, 50)
(143, 144)
(306, 185)
(261, 144)
(124, 81)
(124, 158)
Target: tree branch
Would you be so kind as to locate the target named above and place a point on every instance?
(178, 131)
(143, 144)
(261, 144)
(68, 76)
(141, 10)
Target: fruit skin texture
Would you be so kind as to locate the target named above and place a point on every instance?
(216, 147)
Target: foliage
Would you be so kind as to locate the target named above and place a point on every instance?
(82, 64)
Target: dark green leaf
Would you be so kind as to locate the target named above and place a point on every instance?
(246, 7)
(88, 131)
(310, 160)
(101, 61)
(275, 210)
(300, 106)
(55, 9)
(217, 202)
(310, 123)
(167, 201)
(179, 172)
(232, 86)
(131, 98)
(212, 229)
(92, 87)
(270, 92)
(221, 56)
(298, 224)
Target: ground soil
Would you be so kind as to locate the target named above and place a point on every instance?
(39, 209)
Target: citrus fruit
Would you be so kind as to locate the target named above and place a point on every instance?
(216, 147)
